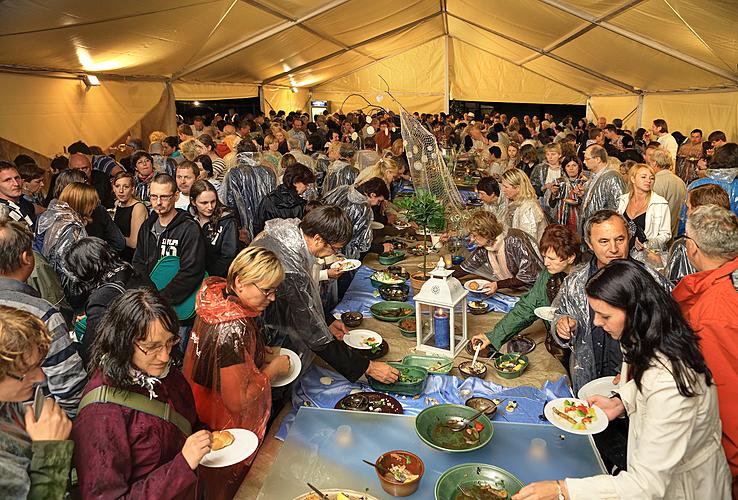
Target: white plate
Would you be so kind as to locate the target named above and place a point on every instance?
(602, 386)
(377, 225)
(356, 338)
(295, 367)
(482, 285)
(244, 445)
(333, 494)
(401, 226)
(545, 312)
(595, 427)
(355, 264)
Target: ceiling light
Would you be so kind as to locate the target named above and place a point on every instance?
(196, 103)
(294, 90)
(91, 81)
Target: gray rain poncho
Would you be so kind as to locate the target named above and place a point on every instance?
(297, 312)
(340, 173)
(521, 253)
(245, 185)
(602, 191)
(357, 207)
(678, 265)
(56, 229)
(572, 301)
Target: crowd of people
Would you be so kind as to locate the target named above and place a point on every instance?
(148, 291)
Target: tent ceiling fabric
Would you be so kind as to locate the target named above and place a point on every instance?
(594, 46)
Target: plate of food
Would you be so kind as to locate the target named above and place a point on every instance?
(545, 312)
(380, 278)
(362, 339)
(295, 367)
(336, 494)
(377, 225)
(477, 286)
(433, 427)
(575, 416)
(391, 310)
(346, 265)
(230, 446)
(601, 386)
(373, 402)
(476, 482)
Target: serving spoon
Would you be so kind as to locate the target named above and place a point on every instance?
(400, 476)
(460, 425)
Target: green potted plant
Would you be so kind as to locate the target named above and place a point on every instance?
(428, 213)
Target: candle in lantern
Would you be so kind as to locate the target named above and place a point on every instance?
(441, 328)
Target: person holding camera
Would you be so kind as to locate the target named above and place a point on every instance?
(563, 199)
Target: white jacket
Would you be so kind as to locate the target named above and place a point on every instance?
(674, 450)
(658, 218)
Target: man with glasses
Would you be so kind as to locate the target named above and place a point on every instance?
(296, 318)
(604, 187)
(63, 368)
(170, 231)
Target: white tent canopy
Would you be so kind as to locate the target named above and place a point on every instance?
(633, 59)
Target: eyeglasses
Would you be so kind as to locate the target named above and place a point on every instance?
(154, 351)
(266, 293)
(21, 378)
(163, 197)
(686, 237)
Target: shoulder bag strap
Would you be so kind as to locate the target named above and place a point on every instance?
(138, 402)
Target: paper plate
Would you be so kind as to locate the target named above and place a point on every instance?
(346, 264)
(482, 284)
(545, 312)
(377, 225)
(243, 447)
(295, 367)
(595, 427)
(602, 386)
(357, 338)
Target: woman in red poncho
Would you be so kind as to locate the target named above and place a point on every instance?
(225, 359)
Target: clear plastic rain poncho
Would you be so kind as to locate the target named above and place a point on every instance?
(245, 185)
(602, 191)
(678, 265)
(572, 301)
(357, 207)
(222, 365)
(297, 312)
(56, 229)
(726, 178)
(340, 173)
(521, 254)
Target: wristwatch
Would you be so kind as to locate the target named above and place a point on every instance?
(561, 493)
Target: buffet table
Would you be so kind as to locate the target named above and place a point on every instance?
(325, 448)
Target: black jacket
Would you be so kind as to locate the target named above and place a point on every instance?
(101, 182)
(221, 244)
(102, 226)
(182, 238)
(282, 203)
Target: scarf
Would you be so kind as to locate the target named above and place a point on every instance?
(148, 382)
(498, 259)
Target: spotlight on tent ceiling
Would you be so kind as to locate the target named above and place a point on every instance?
(91, 81)
(196, 103)
(294, 90)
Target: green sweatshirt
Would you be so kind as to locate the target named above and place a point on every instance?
(50, 465)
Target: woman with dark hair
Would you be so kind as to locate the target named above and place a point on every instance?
(104, 276)
(129, 212)
(227, 364)
(205, 145)
(143, 163)
(563, 199)
(133, 434)
(528, 159)
(219, 225)
(666, 389)
(560, 248)
(205, 164)
(286, 201)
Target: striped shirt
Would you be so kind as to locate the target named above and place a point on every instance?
(63, 367)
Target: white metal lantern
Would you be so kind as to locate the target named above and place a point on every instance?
(444, 298)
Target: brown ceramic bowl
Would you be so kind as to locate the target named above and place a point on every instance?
(413, 464)
(466, 370)
(352, 319)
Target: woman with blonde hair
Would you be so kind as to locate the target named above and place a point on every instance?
(386, 169)
(271, 155)
(524, 211)
(227, 364)
(62, 224)
(647, 213)
(189, 149)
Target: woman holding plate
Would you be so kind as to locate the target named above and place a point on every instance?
(226, 360)
(674, 448)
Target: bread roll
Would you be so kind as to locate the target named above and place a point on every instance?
(222, 439)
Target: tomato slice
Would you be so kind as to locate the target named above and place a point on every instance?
(478, 427)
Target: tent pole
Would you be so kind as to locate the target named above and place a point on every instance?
(261, 99)
(446, 83)
(639, 116)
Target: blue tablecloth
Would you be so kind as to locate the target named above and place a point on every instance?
(498, 302)
(309, 390)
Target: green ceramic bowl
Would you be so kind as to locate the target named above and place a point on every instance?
(391, 257)
(390, 310)
(430, 424)
(404, 388)
(397, 293)
(522, 363)
(471, 476)
(407, 328)
(380, 278)
(442, 364)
